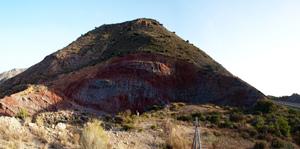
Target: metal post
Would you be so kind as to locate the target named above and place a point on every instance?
(197, 135)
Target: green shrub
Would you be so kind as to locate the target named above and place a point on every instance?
(22, 114)
(153, 127)
(215, 119)
(227, 123)
(265, 106)
(129, 127)
(200, 116)
(155, 108)
(284, 127)
(259, 122)
(237, 117)
(260, 144)
(93, 136)
(134, 118)
(184, 117)
(118, 119)
(142, 130)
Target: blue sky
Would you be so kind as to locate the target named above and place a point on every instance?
(258, 41)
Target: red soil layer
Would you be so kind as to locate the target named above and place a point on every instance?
(137, 81)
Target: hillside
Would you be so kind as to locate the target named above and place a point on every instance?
(131, 65)
(9, 74)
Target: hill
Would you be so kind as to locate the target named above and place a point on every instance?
(9, 74)
(295, 98)
(131, 65)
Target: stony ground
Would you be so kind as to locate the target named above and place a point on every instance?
(61, 130)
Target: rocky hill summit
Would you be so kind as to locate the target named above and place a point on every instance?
(131, 65)
(9, 74)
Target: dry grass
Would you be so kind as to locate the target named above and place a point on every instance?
(93, 136)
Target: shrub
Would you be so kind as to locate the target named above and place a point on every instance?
(200, 116)
(76, 138)
(184, 117)
(153, 127)
(118, 119)
(176, 140)
(142, 130)
(265, 106)
(237, 117)
(134, 118)
(156, 108)
(93, 136)
(129, 127)
(226, 124)
(39, 121)
(22, 114)
(284, 127)
(214, 118)
(245, 135)
(175, 107)
(253, 133)
(261, 144)
(259, 122)
(277, 143)
(108, 117)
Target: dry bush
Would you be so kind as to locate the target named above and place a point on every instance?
(93, 136)
(63, 138)
(26, 137)
(76, 138)
(261, 144)
(175, 139)
(39, 121)
(40, 132)
(175, 107)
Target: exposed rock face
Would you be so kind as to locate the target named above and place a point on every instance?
(131, 65)
(139, 80)
(9, 74)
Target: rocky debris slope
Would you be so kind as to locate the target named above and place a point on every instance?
(9, 74)
(131, 65)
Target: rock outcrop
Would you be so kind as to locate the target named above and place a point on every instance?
(131, 65)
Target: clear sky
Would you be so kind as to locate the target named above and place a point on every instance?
(258, 41)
